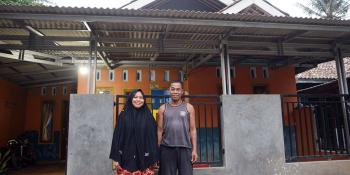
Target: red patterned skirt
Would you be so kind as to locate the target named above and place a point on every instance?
(121, 171)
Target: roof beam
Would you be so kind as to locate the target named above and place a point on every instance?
(47, 80)
(175, 21)
(203, 60)
(30, 58)
(6, 65)
(51, 84)
(38, 72)
(293, 35)
(171, 41)
(31, 29)
(93, 38)
(138, 63)
(87, 26)
(247, 51)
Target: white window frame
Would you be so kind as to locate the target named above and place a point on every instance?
(98, 75)
(43, 91)
(181, 75)
(126, 72)
(140, 73)
(53, 91)
(152, 76)
(265, 72)
(109, 75)
(252, 72)
(167, 75)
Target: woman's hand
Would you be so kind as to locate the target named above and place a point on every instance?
(116, 165)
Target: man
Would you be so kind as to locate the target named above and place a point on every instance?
(177, 136)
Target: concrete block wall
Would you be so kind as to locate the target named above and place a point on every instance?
(90, 135)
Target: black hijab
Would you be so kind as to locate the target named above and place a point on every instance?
(135, 126)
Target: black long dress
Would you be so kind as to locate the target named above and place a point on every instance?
(134, 143)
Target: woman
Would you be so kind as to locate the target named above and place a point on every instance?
(134, 145)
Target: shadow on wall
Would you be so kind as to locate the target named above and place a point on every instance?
(45, 151)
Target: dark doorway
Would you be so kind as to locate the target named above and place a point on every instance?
(64, 129)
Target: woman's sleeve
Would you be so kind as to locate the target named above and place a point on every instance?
(115, 153)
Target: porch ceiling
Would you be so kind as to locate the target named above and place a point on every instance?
(166, 37)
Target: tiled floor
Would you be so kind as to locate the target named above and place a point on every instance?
(41, 169)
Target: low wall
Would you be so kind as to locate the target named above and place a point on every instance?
(252, 137)
(253, 141)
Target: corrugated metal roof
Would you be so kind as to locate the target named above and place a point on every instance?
(168, 14)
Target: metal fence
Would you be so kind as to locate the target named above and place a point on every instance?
(315, 127)
(208, 116)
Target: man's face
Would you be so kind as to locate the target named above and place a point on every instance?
(175, 91)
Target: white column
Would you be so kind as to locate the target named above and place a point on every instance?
(95, 67)
(223, 72)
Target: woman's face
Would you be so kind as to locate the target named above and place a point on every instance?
(138, 100)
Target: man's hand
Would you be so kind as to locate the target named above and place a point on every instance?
(194, 157)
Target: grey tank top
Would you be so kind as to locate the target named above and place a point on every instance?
(176, 124)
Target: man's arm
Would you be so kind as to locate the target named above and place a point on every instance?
(160, 124)
(193, 132)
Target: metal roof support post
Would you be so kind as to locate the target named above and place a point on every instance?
(223, 72)
(343, 89)
(94, 44)
(228, 70)
(89, 68)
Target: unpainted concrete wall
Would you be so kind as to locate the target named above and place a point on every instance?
(90, 135)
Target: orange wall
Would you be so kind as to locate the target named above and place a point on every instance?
(12, 108)
(203, 80)
(120, 86)
(34, 106)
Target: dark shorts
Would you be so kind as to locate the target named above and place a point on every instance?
(175, 159)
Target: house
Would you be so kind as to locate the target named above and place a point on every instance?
(213, 53)
(321, 79)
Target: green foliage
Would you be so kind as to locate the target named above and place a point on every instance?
(4, 158)
(23, 2)
(328, 9)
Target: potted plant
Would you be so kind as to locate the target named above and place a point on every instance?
(4, 158)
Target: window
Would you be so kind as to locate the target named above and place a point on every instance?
(98, 75)
(111, 75)
(64, 90)
(46, 129)
(233, 72)
(152, 75)
(53, 91)
(181, 75)
(125, 75)
(218, 72)
(253, 72)
(139, 75)
(166, 75)
(43, 91)
(265, 72)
